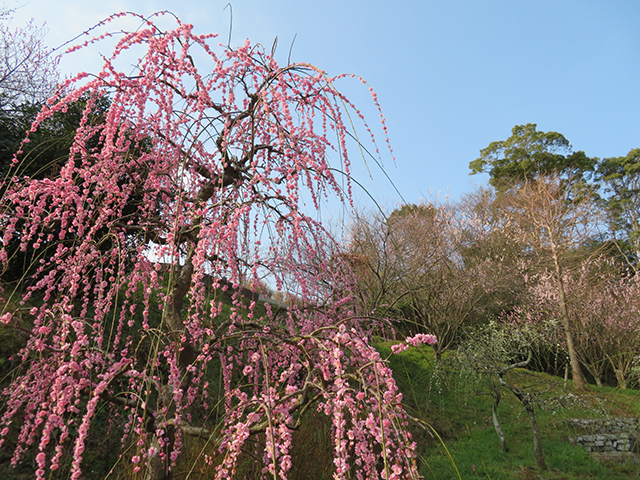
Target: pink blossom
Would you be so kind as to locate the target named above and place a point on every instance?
(399, 347)
(200, 152)
(421, 338)
(415, 341)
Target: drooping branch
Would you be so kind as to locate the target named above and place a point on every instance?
(186, 180)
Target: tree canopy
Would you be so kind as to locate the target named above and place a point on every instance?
(216, 147)
(528, 153)
(619, 178)
(28, 71)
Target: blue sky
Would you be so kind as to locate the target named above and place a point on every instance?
(452, 76)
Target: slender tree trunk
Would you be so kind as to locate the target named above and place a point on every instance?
(159, 468)
(576, 372)
(537, 444)
(437, 355)
(496, 422)
(598, 380)
(596, 372)
(158, 463)
(525, 398)
(155, 465)
(620, 377)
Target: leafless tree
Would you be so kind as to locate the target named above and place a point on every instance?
(27, 67)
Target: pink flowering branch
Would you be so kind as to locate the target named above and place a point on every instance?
(186, 188)
(414, 341)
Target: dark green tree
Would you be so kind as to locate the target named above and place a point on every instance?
(48, 147)
(527, 154)
(619, 181)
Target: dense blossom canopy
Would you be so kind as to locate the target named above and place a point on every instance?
(191, 183)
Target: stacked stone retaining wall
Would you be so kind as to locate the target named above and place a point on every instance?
(613, 435)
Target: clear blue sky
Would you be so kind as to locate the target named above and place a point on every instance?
(452, 76)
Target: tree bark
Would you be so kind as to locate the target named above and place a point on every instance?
(598, 380)
(576, 372)
(537, 444)
(621, 378)
(159, 468)
(525, 399)
(496, 422)
(159, 463)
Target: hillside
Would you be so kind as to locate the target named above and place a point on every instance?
(458, 440)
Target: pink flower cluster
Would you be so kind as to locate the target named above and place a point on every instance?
(186, 187)
(414, 340)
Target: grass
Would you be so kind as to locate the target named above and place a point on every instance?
(455, 404)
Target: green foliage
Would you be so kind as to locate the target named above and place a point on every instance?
(455, 405)
(11, 341)
(619, 178)
(408, 211)
(48, 147)
(528, 153)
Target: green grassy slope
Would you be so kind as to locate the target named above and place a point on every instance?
(460, 441)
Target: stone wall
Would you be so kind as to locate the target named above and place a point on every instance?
(607, 435)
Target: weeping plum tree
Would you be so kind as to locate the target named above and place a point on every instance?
(193, 175)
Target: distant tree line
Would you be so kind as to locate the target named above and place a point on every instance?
(551, 244)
